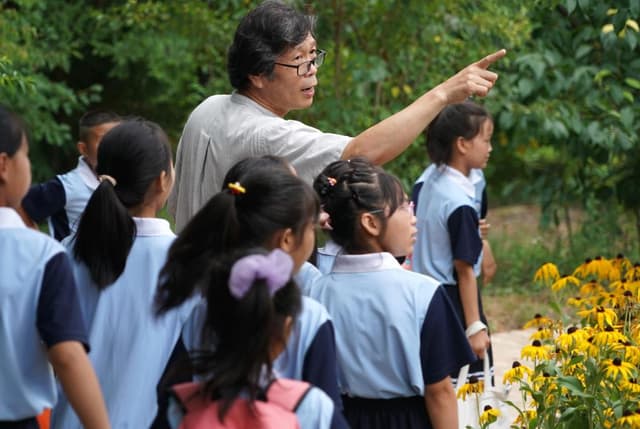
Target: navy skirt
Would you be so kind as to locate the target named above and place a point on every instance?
(395, 413)
(453, 291)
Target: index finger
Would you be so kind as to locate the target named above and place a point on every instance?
(491, 58)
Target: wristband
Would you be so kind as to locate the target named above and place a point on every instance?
(474, 328)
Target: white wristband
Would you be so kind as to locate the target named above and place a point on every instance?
(474, 328)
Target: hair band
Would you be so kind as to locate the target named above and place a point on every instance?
(103, 177)
(332, 181)
(236, 188)
(274, 268)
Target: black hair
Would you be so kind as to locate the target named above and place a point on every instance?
(239, 333)
(12, 129)
(456, 120)
(92, 119)
(133, 153)
(274, 199)
(262, 35)
(350, 188)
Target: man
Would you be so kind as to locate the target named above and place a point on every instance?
(272, 64)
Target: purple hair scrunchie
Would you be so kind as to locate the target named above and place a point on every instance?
(274, 268)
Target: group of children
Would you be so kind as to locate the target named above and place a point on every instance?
(276, 333)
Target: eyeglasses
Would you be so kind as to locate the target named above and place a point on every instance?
(407, 206)
(305, 67)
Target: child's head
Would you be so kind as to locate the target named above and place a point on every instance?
(252, 303)
(15, 168)
(135, 170)
(259, 206)
(460, 128)
(92, 126)
(368, 208)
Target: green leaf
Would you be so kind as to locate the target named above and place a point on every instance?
(633, 83)
(571, 5)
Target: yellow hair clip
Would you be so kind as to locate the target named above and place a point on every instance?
(237, 188)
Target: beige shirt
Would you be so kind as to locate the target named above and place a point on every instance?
(225, 129)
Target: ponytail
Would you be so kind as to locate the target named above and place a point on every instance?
(130, 157)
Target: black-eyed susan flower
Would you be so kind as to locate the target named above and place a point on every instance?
(601, 267)
(591, 287)
(516, 373)
(616, 368)
(630, 386)
(565, 281)
(583, 269)
(608, 337)
(473, 386)
(621, 263)
(538, 321)
(526, 417)
(489, 415)
(629, 419)
(599, 315)
(542, 334)
(631, 353)
(633, 273)
(571, 339)
(547, 273)
(577, 301)
(535, 351)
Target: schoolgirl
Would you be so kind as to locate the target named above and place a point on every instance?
(397, 336)
(449, 243)
(263, 204)
(118, 250)
(41, 326)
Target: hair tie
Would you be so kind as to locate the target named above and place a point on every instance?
(274, 268)
(332, 181)
(103, 177)
(237, 188)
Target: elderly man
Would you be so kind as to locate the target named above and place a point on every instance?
(272, 65)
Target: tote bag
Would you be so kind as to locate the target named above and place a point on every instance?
(470, 409)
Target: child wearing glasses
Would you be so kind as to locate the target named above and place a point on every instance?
(397, 336)
(449, 245)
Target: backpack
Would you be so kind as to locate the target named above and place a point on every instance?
(278, 411)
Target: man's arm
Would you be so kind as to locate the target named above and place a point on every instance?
(389, 138)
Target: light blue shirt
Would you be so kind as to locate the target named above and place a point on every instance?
(27, 383)
(445, 189)
(79, 185)
(327, 255)
(130, 345)
(378, 310)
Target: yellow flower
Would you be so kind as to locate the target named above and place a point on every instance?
(489, 415)
(516, 373)
(591, 288)
(565, 281)
(473, 386)
(615, 368)
(547, 382)
(547, 273)
(577, 301)
(633, 273)
(601, 267)
(524, 418)
(630, 386)
(629, 419)
(571, 338)
(542, 334)
(600, 315)
(621, 263)
(608, 336)
(535, 351)
(538, 321)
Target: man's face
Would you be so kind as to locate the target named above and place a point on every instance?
(89, 148)
(284, 90)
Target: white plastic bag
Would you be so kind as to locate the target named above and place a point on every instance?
(470, 409)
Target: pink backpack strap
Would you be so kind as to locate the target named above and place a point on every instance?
(287, 393)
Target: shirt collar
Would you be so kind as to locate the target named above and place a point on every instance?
(466, 183)
(243, 99)
(152, 226)
(87, 174)
(365, 263)
(9, 218)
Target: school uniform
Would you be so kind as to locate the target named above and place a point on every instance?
(62, 199)
(395, 333)
(38, 309)
(132, 345)
(448, 213)
(326, 256)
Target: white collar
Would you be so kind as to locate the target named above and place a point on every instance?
(330, 248)
(243, 99)
(152, 226)
(9, 218)
(467, 183)
(87, 174)
(365, 263)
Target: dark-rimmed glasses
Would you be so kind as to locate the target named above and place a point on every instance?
(305, 67)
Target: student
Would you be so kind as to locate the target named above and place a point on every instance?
(449, 246)
(397, 337)
(40, 318)
(118, 251)
(62, 199)
(252, 304)
(263, 204)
